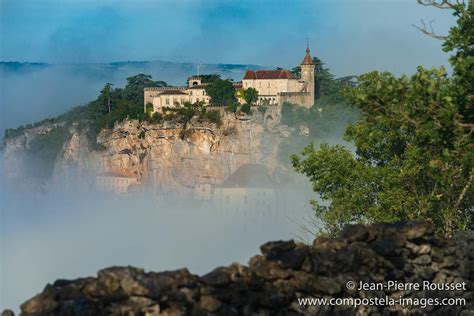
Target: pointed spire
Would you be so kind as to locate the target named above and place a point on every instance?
(307, 58)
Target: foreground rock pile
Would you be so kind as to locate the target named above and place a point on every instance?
(272, 282)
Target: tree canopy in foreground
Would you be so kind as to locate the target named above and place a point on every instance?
(414, 146)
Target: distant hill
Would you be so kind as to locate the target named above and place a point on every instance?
(33, 91)
(172, 72)
(18, 66)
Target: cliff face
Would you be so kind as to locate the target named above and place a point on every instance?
(272, 283)
(167, 157)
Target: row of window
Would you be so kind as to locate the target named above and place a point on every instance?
(247, 85)
(246, 199)
(112, 180)
(113, 186)
(176, 101)
(197, 92)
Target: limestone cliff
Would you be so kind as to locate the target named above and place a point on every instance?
(166, 157)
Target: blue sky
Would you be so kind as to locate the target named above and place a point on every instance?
(351, 36)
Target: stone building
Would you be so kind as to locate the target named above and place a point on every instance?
(274, 87)
(249, 188)
(115, 182)
(161, 97)
(277, 86)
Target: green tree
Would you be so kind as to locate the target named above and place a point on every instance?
(246, 108)
(149, 109)
(250, 96)
(105, 95)
(155, 118)
(414, 157)
(209, 78)
(133, 91)
(232, 107)
(213, 116)
(222, 92)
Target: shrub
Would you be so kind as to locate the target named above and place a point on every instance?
(246, 108)
(149, 108)
(232, 107)
(155, 118)
(213, 117)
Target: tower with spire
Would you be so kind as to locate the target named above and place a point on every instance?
(307, 75)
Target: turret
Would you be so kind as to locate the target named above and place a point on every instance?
(307, 75)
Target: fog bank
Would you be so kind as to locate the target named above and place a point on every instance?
(60, 234)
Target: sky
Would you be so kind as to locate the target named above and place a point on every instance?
(351, 36)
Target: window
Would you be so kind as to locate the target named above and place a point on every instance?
(197, 99)
(167, 102)
(190, 93)
(268, 85)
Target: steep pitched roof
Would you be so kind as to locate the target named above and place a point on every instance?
(269, 74)
(249, 176)
(307, 58)
(249, 74)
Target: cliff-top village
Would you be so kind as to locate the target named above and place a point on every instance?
(274, 87)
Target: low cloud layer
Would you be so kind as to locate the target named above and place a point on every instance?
(74, 233)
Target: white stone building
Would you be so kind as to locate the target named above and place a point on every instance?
(274, 87)
(115, 182)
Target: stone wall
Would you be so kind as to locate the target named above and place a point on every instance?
(302, 98)
(272, 282)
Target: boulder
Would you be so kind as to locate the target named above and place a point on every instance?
(273, 282)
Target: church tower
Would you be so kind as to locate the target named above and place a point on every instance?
(307, 75)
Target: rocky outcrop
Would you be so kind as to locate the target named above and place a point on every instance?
(165, 157)
(286, 271)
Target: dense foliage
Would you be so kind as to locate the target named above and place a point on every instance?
(111, 106)
(191, 111)
(115, 105)
(414, 157)
(209, 78)
(246, 108)
(222, 92)
(250, 96)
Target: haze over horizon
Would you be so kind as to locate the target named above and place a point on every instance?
(375, 35)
